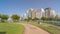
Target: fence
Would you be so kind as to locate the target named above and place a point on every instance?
(53, 22)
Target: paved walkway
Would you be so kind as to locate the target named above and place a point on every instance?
(30, 29)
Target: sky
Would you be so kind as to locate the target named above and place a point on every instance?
(21, 6)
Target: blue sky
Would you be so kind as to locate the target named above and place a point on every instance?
(21, 6)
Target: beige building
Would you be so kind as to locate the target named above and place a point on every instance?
(39, 13)
(33, 14)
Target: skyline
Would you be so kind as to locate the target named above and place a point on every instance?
(21, 6)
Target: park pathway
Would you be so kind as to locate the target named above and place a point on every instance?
(31, 29)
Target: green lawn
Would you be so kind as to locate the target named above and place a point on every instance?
(50, 29)
(11, 28)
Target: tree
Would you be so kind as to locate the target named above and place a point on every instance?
(50, 18)
(0, 15)
(35, 18)
(4, 17)
(29, 18)
(15, 17)
(43, 18)
(56, 17)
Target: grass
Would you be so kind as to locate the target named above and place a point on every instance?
(50, 29)
(11, 28)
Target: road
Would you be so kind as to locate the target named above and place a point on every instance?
(31, 29)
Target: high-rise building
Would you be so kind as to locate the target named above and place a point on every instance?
(39, 13)
(50, 13)
(25, 16)
(31, 13)
(47, 12)
(53, 13)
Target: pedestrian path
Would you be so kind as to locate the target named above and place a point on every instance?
(31, 29)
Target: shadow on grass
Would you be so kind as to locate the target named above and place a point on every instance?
(2, 32)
